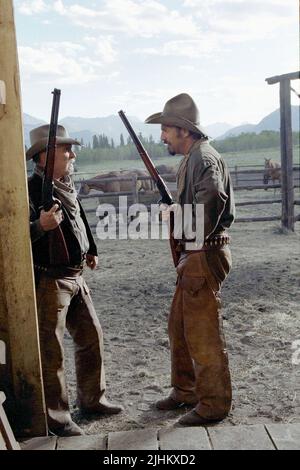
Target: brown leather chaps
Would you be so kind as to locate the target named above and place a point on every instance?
(199, 362)
(62, 303)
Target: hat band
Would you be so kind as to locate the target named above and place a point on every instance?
(181, 118)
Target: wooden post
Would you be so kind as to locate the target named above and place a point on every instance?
(17, 300)
(286, 143)
(236, 175)
(5, 429)
(135, 194)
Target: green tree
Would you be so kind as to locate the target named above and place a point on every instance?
(95, 142)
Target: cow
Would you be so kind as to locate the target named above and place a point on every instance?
(99, 182)
(272, 171)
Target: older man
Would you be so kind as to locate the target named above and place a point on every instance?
(63, 298)
(199, 363)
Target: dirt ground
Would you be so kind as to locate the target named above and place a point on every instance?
(132, 292)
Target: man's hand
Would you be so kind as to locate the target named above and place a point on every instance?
(51, 219)
(92, 261)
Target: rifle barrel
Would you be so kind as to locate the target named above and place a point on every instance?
(166, 196)
(47, 190)
(161, 185)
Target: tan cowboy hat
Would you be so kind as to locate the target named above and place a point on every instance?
(39, 139)
(180, 111)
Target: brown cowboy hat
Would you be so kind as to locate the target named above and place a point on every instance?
(180, 111)
(39, 139)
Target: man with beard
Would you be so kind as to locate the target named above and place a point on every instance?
(63, 298)
(200, 375)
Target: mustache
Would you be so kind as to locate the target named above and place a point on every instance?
(170, 149)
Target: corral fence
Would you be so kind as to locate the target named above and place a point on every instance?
(244, 178)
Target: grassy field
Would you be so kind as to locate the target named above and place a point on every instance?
(244, 158)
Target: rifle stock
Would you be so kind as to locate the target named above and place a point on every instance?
(166, 196)
(58, 250)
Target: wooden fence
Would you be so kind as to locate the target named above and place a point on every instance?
(247, 178)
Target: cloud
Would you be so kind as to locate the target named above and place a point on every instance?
(242, 20)
(147, 102)
(102, 47)
(225, 23)
(188, 48)
(229, 3)
(144, 18)
(254, 28)
(217, 22)
(252, 39)
(32, 7)
(251, 19)
(187, 68)
(64, 62)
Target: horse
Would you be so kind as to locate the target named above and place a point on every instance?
(99, 182)
(168, 172)
(272, 171)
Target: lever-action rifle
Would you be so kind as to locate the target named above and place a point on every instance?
(166, 196)
(58, 251)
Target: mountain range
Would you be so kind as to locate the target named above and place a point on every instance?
(112, 126)
(271, 122)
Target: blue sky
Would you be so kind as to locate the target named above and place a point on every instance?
(107, 55)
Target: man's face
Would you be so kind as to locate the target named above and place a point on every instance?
(172, 137)
(64, 161)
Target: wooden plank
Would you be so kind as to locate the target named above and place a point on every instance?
(39, 443)
(103, 195)
(240, 438)
(279, 78)
(183, 439)
(140, 439)
(5, 429)
(255, 203)
(2, 352)
(95, 442)
(258, 219)
(285, 436)
(257, 186)
(286, 145)
(16, 272)
(108, 179)
(2, 443)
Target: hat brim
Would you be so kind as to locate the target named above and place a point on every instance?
(41, 145)
(177, 121)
